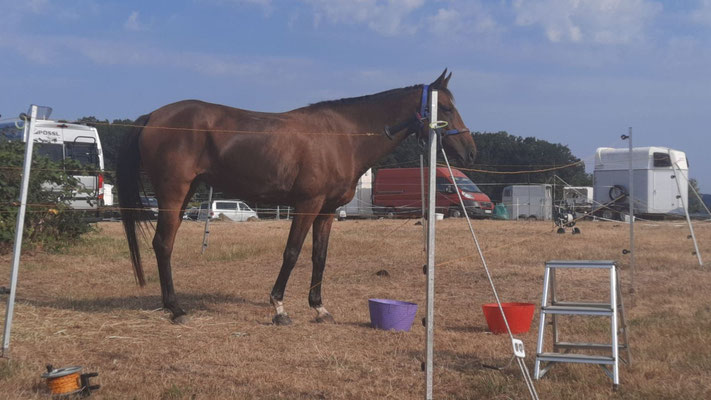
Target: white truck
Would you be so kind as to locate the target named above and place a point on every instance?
(61, 141)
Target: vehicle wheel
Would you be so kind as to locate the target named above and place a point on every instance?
(576, 231)
(617, 192)
(455, 213)
(610, 214)
(560, 230)
(532, 218)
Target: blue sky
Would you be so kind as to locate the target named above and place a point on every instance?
(577, 72)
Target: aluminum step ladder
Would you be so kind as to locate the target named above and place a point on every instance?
(562, 350)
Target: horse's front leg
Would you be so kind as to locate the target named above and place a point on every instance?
(322, 231)
(303, 218)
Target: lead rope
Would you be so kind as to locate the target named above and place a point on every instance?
(517, 345)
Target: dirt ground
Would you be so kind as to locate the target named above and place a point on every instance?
(82, 307)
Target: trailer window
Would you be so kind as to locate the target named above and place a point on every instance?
(85, 153)
(662, 160)
(53, 151)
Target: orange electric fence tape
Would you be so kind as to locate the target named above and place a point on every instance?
(486, 171)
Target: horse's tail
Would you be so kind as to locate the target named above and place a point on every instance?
(128, 182)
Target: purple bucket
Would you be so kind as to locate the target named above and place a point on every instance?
(391, 314)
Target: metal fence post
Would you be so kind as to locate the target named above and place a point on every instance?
(19, 227)
(429, 373)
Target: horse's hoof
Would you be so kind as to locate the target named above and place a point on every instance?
(180, 319)
(281, 320)
(325, 319)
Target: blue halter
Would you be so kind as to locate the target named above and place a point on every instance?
(424, 113)
(420, 117)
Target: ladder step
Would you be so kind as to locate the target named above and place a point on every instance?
(575, 358)
(578, 310)
(585, 304)
(581, 304)
(588, 346)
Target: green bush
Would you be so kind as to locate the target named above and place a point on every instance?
(49, 222)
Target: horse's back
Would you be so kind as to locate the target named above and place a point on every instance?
(254, 155)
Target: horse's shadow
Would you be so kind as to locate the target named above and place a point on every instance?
(190, 301)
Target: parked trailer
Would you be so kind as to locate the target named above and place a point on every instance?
(61, 141)
(656, 173)
(529, 201)
(362, 204)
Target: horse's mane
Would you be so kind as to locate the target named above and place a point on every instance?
(369, 97)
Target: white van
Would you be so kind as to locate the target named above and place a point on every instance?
(61, 141)
(234, 210)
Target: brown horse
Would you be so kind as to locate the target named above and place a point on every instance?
(310, 158)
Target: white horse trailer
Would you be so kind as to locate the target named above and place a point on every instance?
(658, 175)
(361, 206)
(529, 201)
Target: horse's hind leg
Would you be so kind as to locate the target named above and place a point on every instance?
(321, 233)
(171, 198)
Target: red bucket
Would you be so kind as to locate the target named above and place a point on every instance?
(519, 316)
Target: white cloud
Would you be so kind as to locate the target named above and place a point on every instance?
(133, 24)
(463, 17)
(703, 13)
(57, 50)
(386, 17)
(590, 21)
(38, 6)
(265, 5)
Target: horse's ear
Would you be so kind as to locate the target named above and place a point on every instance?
(446, 81)
(440, 82)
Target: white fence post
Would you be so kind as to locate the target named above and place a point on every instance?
(431, 192)
(19, 227)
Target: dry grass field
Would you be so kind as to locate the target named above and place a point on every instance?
(82, 307)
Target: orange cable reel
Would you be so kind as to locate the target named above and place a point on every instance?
(69, 381)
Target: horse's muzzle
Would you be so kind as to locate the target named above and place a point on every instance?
(471, 156)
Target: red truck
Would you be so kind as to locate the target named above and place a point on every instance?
(397, 191)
